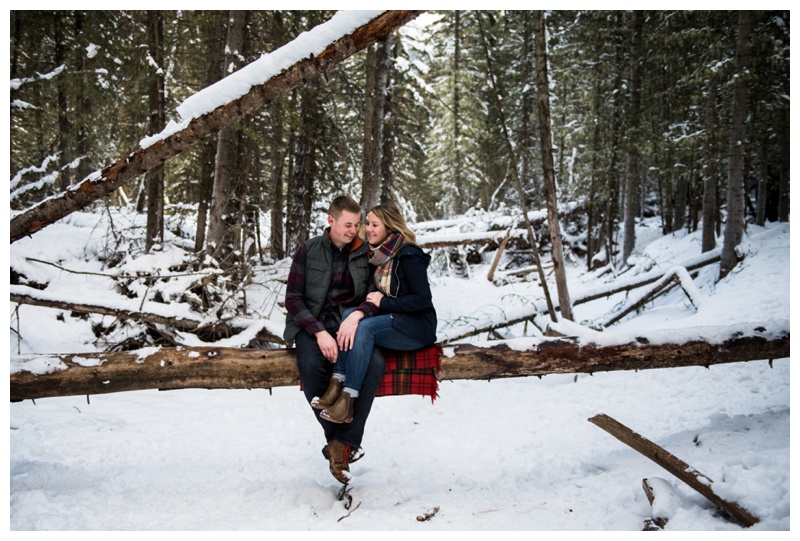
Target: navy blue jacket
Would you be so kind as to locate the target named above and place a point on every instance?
(411, 305)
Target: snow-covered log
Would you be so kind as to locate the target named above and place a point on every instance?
(38, 376)
(147, 312)
(160, 148)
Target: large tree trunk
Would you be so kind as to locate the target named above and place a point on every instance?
(223, 368)
(783, 201)
(155, 177)
(208, 151)
(104, 182)
(304, 172)
(632, 182)
(734, 224)
(277, 154)
(548, 169)
(710, 172)
(225, 220)
(378, 59)
(64, 129)
(457, 169)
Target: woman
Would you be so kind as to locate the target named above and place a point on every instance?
(397, 314)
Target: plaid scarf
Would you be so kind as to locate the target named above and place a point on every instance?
(383, 259)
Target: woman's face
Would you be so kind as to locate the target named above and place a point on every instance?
(376, 231)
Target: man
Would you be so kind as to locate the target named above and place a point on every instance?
(330, 273)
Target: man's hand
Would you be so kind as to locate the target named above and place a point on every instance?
(347, 330)
(327, 344)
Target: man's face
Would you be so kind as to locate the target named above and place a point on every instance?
(344, 228)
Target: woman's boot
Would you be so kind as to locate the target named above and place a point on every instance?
(330, 396)
(341, 411)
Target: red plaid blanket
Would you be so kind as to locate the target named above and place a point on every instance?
(411, 372)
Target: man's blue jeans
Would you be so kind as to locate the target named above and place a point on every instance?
(315, 373)
(371, 332)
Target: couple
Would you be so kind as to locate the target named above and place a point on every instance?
(344, 297)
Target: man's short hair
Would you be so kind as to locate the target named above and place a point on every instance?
(342, 203)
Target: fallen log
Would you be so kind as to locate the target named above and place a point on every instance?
(149, 312)
(677, 467)
(598, 293)
(38, 375)
(104, 182)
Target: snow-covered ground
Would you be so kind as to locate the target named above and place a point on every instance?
(509, 455)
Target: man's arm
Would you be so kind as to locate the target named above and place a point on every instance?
(295, 302)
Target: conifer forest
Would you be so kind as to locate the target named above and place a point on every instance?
(625, 115)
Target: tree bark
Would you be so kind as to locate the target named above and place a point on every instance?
(734, 225)
(155, 177)
(548, 169)
(225, 368)
(216, 41)
(515, 171)
(225, 219)
(458, 177)
(377, 78)
(104, 182)
(710, 174)
(677, 467)
(632, 182)
(784, 199)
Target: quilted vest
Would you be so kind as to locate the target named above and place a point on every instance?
(318, 277)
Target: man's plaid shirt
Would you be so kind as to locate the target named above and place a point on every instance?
(340, 290)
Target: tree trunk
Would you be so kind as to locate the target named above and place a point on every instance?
(305, 170)
(140, 161)
(515, 171)
(548, 170)
(763, 182)
(64, 130)
(632, 182)
(209, 147)
(155, 177)
(226, 368)
(277, 152)
(225, 220)
(387, 170)
(458, 180)
(734, 225)
(783, 197)
(710, 177)
(377, 78)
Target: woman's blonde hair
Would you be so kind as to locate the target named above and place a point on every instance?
(393, 221)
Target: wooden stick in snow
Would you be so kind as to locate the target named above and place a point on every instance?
(680, 469)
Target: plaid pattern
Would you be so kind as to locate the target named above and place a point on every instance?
(411, 372)
(383, 259)
(341, 289)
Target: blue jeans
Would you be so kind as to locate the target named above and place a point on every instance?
(315, 373)
(371, 332)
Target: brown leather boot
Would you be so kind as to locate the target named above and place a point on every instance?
(330, 396)
(341, 411)
(339, 460)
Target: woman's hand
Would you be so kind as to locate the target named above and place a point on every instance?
(375, 298)
(347, 330)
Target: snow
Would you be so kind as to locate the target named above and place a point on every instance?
(503, 455)
(510, 454)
